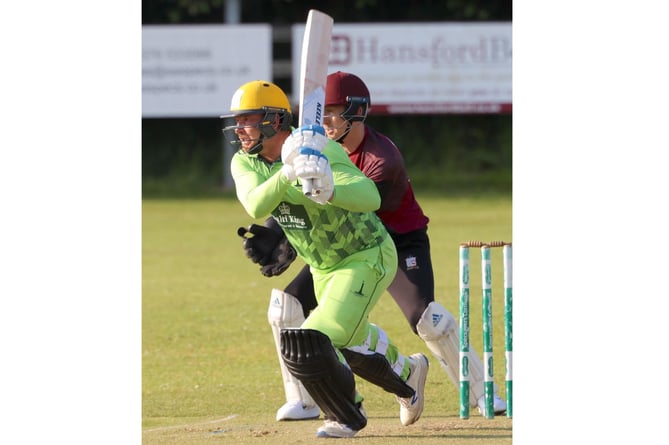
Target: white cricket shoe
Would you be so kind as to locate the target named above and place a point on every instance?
(335, 429)
(412, 407)
(296, 410)
(331, 428)
(498, 405)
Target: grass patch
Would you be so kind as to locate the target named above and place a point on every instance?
(209, 368)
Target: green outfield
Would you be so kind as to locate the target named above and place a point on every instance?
(210, 373)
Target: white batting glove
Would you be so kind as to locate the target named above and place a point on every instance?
(289, 172)
(307, 136)
(311, 164)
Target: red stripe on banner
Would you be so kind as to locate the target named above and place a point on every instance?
(442, 108)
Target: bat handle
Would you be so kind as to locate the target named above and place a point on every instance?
(307, 186)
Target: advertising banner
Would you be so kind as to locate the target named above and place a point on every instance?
(193, 70)
(431, 68)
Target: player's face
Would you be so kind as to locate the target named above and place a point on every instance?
(333, 122)
(247, 130)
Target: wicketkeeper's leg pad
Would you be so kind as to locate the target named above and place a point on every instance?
(439, 331)
(438, 328)
(310, 356)
(375, 369)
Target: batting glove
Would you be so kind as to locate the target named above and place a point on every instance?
(288, 172)
(307, 136)
(311, 164)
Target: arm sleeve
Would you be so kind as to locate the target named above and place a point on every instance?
(259, 194)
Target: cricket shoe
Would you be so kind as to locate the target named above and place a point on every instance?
(296, 410)
(412, 407)
(334, 429)
(498, 405)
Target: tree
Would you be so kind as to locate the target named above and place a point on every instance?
(295, 11)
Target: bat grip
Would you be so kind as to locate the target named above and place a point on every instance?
(307, 186)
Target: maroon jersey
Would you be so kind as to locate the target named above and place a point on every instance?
(381, 161)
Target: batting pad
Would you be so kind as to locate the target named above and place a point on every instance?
(310, 356)
(375, 369)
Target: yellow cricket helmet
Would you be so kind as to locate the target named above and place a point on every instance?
(261, 97)
(255, 96)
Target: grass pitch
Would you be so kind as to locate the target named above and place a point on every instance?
(209, 367)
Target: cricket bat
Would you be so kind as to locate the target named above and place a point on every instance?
(314, 74)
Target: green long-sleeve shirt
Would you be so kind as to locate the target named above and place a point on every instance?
(322, 235)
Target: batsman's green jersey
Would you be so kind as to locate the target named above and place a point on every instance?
(322, 235)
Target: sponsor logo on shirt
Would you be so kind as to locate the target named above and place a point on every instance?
(292, 216)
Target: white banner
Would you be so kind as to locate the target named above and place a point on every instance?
(423, 67)
(193, 71)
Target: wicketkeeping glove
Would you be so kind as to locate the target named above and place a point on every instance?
(267, 246)
(282, 256)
